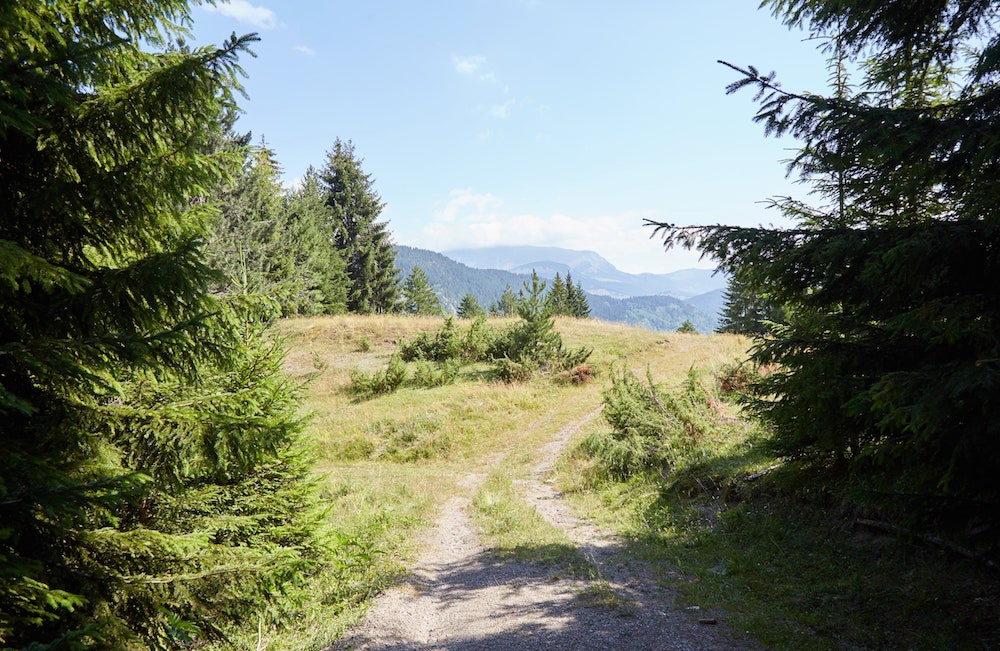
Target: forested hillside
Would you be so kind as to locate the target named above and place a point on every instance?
(452, 280)
(657, 313)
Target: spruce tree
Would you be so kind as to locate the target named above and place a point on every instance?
(249, 239)
(151, 488)
(418, 297)
(470, 308)
(747, 311)
(888, 362)
(557, 298)
(576, 299)
(363, 240)
(506, 305)
(320, 283)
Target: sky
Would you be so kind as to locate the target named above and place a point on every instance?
(527, 122)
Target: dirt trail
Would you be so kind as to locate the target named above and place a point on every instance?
(459, 596)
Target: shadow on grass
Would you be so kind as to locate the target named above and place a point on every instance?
(800, 576)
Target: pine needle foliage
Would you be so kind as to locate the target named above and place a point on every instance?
(532, 343)
(363, 241)
(418, 297)
(153, 489)
(888, 359)
(653, 429)
(469, 307)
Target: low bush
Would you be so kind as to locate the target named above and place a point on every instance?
(435, 374)
(653, 429)
(580, 374)
(370, 385)
(510, 371)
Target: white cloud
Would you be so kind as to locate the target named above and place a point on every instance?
(473, 66)
(467, 65)
(473, 220)
(502, 111)
(306, 50)
(245, 12)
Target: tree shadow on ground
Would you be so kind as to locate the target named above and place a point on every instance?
(537, 597)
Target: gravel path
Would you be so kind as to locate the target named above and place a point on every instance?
(459, 596)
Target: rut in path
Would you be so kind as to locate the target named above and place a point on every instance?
(459, 596)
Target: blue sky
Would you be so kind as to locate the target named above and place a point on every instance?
(543, 122)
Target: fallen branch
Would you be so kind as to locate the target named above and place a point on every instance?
(887, 527)
(760, 473)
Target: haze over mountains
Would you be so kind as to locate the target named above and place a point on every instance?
(597, 275)
(659, 302)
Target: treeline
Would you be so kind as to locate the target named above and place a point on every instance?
(469, 292)
(657, 313)
(318, 248)
(452, 282)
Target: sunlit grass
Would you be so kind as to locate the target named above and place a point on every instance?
(791, 572)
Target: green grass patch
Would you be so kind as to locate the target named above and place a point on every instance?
(788, 565)
(511, 528)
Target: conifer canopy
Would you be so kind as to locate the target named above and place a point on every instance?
(151, 490)
(888, 360)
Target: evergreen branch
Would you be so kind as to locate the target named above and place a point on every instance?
(75, 492)
(141, 579)
(752, 76)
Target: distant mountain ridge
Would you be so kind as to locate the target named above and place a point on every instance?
(451, 280)
(593, 272)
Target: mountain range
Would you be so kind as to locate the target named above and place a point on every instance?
(597, 275)
(659, 302)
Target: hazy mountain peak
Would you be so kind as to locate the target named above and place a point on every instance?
(512, 258)
(593, 272)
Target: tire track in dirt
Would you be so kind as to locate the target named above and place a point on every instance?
(459, 596)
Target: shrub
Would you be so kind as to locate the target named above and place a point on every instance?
(580, 374)
(653, 429)
(736, 378)
(509, 370)
(445, 344)
(479, 339)
(431, 374)
(370, 385)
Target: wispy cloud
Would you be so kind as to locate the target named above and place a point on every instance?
(502, 111)
(467, 65)
(243, 11)
(472, 219)
(475, 67)
(306, 50)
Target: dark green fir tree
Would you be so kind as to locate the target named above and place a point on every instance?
(418, 297)
(506, 305)
(153, 492)
(576, 299)
(469, 307)
(890, 359)
(558, 298)
(363, 240)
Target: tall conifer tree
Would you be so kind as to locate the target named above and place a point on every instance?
(889, 361)
(418, 297)
(363, 240)
(576, 299)
(151, 493)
